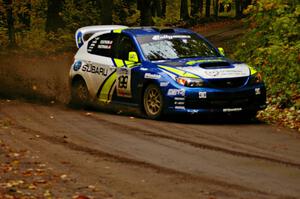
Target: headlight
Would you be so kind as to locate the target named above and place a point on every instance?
(256, 78)
(190, 82)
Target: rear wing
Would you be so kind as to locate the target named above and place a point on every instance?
(80, 33)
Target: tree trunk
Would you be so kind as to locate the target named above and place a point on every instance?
(106, 12)
(238, 9)
(25, 17)
(195, 8)
(207, 8)
(146, 15)
(10, 22)
(163, 8)
(216, 8)
(184, 12)
(201, 3)
(54, 20)
(156, 8)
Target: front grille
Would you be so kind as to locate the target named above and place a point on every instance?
(224, 100)
(227, 83)
(216, 104)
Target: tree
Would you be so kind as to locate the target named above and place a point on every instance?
(106, 11)
(216, 8)
(201, 4)
(207, 8)
(10, 22)
(156, 8)
(163, 8)
(53, 18)
(238, 8)
(195, 6)
(184, 12)
(25, 15)
(146, 15)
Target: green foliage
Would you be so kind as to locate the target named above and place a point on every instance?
(272, 45)
(81, 13)
(125, 12)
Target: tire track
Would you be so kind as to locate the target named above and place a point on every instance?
(120, 159)
(121, 127)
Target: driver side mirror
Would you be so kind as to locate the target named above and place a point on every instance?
(221, 51)
(133, 57)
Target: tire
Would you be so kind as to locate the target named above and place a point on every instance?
(80, 96)
(153, 102)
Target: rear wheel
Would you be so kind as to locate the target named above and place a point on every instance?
(80, 95)
(153, 102)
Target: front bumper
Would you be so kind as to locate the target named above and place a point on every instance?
(208, 100)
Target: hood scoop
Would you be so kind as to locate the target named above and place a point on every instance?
(215, 65)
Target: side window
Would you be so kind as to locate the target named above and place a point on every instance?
(124, 46)
(101, 45)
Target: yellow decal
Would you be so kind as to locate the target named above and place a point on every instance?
(203, 61)
(252, 70)
(179, 72)
(118, 30)
(119, 63)
(108, 84)
(131, 64)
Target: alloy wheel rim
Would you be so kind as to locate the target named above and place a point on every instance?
(153, 101)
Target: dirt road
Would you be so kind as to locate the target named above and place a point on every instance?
(127, 157)
(137, 158)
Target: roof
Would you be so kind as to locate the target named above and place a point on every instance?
(154, 30)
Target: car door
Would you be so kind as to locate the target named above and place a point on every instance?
(121, 51)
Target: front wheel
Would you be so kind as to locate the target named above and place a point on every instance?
(153, 102)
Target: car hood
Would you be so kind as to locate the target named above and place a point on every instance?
(208, 68)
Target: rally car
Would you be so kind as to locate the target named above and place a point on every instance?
(161, 70)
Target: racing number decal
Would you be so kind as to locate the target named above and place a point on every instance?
(123, 82)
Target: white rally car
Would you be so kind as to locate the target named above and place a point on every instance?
(170, 70)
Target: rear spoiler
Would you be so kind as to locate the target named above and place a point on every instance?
(80, 33)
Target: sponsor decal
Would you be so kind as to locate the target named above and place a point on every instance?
(212, 73)
(193, 111)
(257, 91)
(100, 70)
(232, 110)
(79, 39)
(164, 84)
(173, 92)
(151, 76)
(179, 98)
(202, 95)
(144, 69)
(105, 44)
(77, 65)
(169, 37)
(179, 103)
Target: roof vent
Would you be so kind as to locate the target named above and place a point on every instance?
(164, 30)
(215, 65)
(167, 30)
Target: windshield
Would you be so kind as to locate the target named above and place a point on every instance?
(172, 46)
